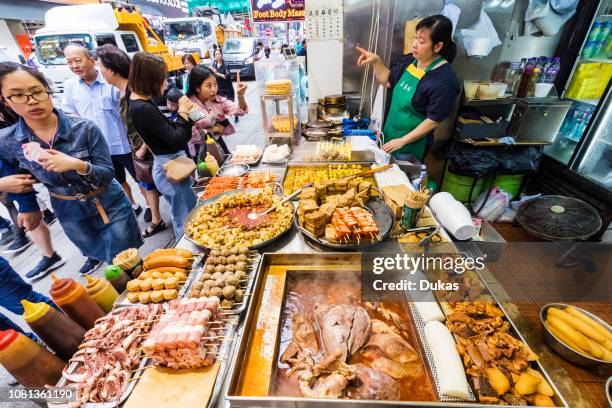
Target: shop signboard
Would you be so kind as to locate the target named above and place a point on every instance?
(165, 8)
(277, 10)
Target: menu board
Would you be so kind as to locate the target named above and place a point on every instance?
(324, 20)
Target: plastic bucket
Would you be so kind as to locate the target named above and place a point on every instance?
(510, 184)
(459, 186)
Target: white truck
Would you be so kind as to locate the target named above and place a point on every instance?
(94, 25)
(191, 34)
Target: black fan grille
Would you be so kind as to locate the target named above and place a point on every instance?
(578, 220)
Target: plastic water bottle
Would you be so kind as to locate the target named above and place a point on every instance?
(604, 31)
(567, 123)
(595, 32)
(589, 49)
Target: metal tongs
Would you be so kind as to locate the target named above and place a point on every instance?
(255, 215)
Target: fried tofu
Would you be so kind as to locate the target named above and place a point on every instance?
(308, 194)
(315, 218)
(308, 205)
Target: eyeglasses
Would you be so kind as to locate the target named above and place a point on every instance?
(22, 99)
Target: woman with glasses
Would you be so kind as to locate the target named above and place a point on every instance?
(70, 157)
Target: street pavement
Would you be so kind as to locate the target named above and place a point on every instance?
(248, 131)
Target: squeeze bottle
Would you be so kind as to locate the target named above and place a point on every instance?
(62, 334)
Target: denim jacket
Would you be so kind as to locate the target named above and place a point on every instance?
(27, 201)
(75, 137)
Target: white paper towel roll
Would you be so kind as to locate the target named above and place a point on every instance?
(451, 375)
(453, 215)
(429, 311)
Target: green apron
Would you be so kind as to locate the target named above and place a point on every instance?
(402, 117)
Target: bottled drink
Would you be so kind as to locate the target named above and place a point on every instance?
(604, 31)
(567, 123)
(589, 50)
(532, 82)
(595, 31)
(526, 76)
(552, 71)
(514, 78)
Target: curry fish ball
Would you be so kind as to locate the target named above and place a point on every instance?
(230, 268)
(227, 304)
(232, 281)
(215, 252)
(209, 268)
(242, 258)
(239, 295)
(212, 261)
(215, 292)
(243, 251)
(241, 266)
(225, 252)
(133, 296)
(216, 275)
(234, 251)
(206, 276)
(219, 283)
(220, 268)
(156, 275)
(232, 259)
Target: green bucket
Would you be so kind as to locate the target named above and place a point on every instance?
(459, 186)
(508, 183)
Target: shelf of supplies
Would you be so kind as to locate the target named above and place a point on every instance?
(604, 60)
(593, 102)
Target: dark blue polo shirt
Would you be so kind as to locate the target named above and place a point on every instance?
(436, 92)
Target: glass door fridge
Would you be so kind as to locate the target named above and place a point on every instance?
(594, 160)
(586, 86)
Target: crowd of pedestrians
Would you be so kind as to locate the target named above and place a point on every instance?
(118, 117)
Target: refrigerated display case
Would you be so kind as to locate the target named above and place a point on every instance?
(587, 84)
(594, 160)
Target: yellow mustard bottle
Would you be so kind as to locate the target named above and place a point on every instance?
(102, 292)
(212, 164)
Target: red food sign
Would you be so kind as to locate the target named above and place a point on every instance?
(277, 10)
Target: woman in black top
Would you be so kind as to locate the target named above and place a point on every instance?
(166, 139)
(424, 87)
(222, 73)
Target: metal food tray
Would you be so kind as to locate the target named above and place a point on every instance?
(382, 214)
(224, 348)
(251, 163)
(300, 156)
(122, 300)
(322, 165)
(110, 404)
(211, 200)
(557, 398)
(241, 347)
(247, 289)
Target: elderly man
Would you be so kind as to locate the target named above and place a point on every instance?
(89, 96)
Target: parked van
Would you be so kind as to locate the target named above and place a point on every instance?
(239, 54)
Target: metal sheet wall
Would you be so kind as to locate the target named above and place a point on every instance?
(507, 17)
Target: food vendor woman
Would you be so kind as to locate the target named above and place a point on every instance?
(69, 155)
(424, 87)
